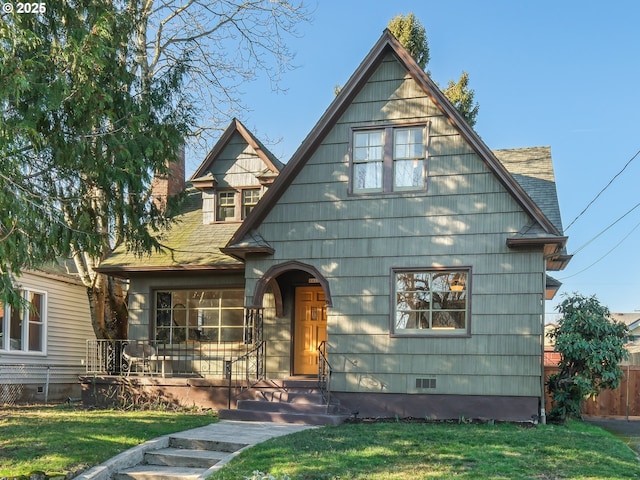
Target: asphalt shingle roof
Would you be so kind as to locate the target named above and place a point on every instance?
(532, 168)
(187, 244)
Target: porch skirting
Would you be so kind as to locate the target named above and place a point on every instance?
(108, 390)
(214, 393)
(438, 407)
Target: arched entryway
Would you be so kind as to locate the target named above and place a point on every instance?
(301, 291)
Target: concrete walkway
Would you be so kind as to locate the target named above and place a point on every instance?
(245, 434)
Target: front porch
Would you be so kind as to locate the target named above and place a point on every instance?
(134, 373)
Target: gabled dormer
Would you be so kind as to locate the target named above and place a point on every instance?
(234, 175)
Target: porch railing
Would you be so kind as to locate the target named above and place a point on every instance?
(149, 358)
(324, 373)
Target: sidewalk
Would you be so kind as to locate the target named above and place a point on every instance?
(224, 432)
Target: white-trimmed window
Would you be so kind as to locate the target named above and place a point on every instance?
(430, 301)
(235, 205)
(214, 316)
(226, 205)
(250, 197)
(389, 159)
(23, 329)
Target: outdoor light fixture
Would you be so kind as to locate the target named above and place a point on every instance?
(457, 285)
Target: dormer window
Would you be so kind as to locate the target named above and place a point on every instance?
(233, 205)
(226, 206)
(250, 199)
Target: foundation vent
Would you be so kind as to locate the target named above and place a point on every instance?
(425, 383)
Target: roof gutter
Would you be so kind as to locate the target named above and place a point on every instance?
(125, 272)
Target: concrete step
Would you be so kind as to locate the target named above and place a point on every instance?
(205, 444)
(185, 458)
(155, 472)
(289, 396)
(282, 417)
(296, 407)
(180, 457)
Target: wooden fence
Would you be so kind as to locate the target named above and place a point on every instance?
(621, 402)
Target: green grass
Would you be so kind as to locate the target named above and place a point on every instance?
(426, 451)
(60, 439)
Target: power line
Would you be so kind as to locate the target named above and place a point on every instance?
(603, 256)
(608, 227)
(602, 191)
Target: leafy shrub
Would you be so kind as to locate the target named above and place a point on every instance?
(591, 345)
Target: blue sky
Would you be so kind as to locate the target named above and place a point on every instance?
(557, 73)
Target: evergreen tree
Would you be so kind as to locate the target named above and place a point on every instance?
(97, 96)
(412, 35)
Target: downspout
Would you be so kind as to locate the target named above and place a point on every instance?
(543, 415)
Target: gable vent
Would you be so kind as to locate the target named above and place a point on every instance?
(425, 383)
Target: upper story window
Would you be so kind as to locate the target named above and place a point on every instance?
(23, 329)
(226, 205)
(389, 159)
(250, 197)
(235, 205)
(430, 302)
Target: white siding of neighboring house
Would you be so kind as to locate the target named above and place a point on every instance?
(54, 373)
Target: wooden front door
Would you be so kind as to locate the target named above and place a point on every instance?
(310, 329)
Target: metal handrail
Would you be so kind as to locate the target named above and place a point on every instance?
(192, 358)
(256, 353)
(324, 373)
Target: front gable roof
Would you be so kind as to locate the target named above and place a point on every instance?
(548, 230)
(273, 165)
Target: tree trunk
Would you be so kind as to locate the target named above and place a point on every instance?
(108, 304)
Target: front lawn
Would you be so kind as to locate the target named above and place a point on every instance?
(435, 450)
(60, 439)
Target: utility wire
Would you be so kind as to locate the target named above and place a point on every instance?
(608, 227)
(603, 256)
(602, 191)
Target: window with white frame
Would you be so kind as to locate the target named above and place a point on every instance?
(226, 205)
(250, 197)
(389, 159)
(235, 205)
(430, 301)
(214, 316)
(23, 328)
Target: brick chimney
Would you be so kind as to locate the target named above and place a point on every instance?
(169, 184)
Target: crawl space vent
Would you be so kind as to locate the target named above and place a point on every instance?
(424, 383)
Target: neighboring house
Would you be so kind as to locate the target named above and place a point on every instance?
(632, 321)
(394, 239)
(551, 357)
(43, 344)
